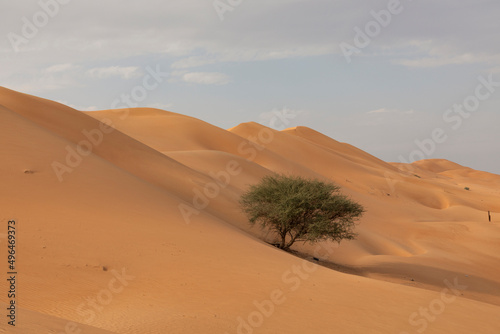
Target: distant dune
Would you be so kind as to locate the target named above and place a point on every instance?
(136, 228)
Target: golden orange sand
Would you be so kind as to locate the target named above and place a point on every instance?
(117, 214)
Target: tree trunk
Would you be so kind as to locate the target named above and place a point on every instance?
(292, 241)
(283, 240)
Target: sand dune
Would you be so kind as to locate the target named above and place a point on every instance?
(109, 247)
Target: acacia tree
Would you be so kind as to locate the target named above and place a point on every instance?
(299, 209)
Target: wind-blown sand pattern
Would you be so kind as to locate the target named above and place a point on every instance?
(112, 231)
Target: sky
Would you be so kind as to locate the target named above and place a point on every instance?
(403, 80)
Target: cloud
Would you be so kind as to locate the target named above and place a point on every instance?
(191, 34)
(60, 68)
(382, 110)
(387, 110)
(206, 78)
(428, 55)
(189, 30)
(50, 78)
(114, 71)
(247, 55)
(437, 61)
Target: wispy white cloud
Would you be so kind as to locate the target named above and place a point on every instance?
(442, 60)
(206, 78)
(58, 68)
(51, 78)
(247, 55)
(114, 71)
(435, 53)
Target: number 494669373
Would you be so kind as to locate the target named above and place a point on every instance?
(12, 244)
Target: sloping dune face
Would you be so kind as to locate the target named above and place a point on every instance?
(129, 223)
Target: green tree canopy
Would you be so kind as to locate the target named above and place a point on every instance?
(299, 209)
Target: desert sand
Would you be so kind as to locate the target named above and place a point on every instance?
(142, 233)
